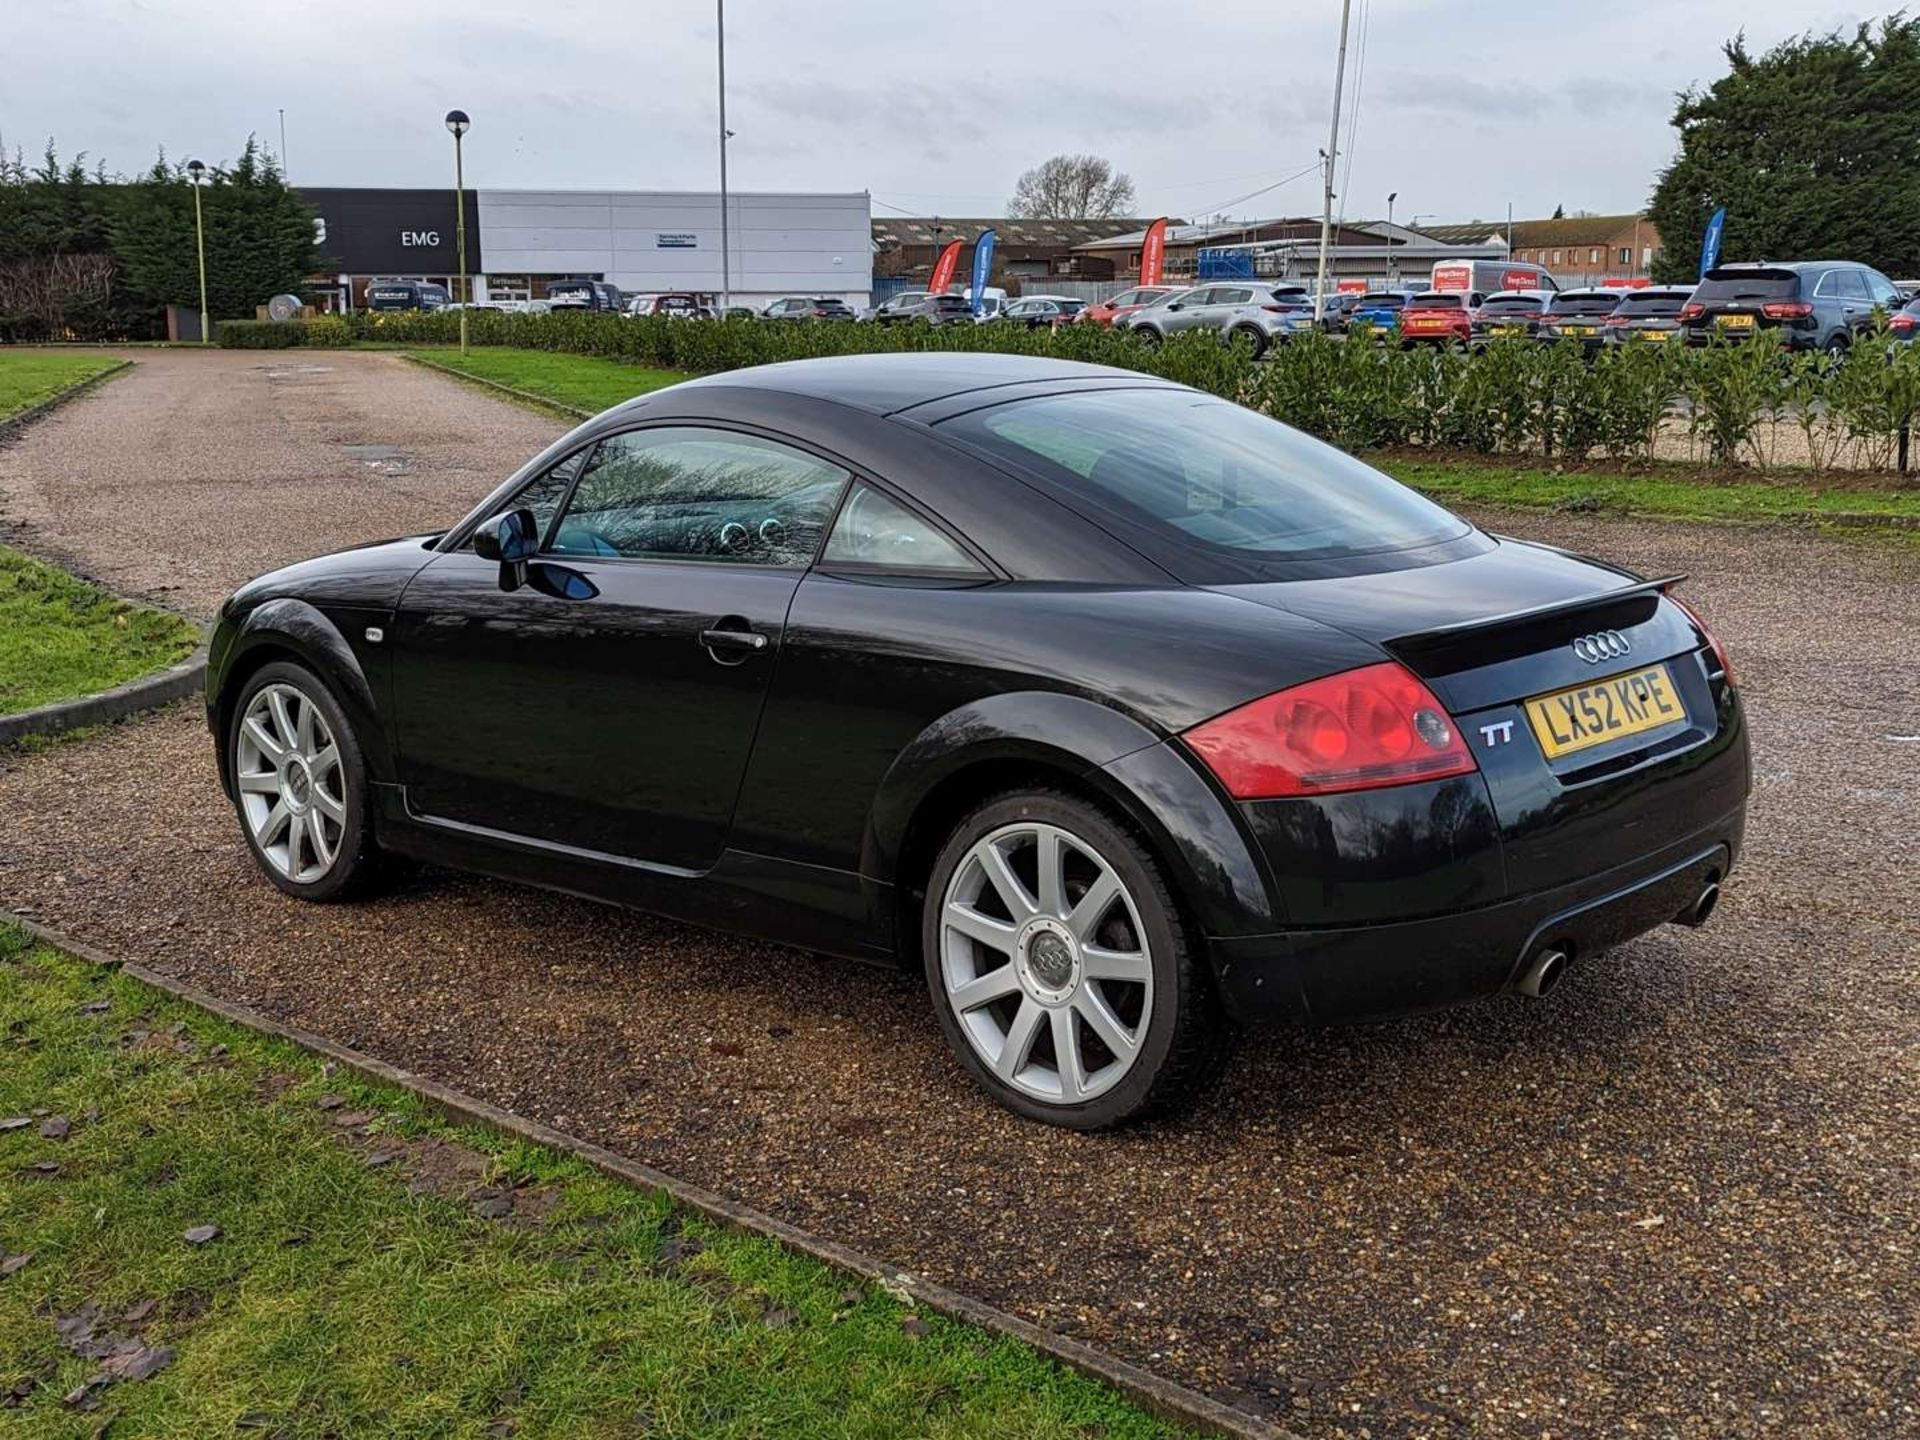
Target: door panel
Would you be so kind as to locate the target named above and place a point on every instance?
(603, 724)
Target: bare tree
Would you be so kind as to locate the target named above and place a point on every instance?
(1072, 187)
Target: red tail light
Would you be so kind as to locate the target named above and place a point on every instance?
(1787, 309)
(1713, 640)
(1616, 319)
(1692, 310)
(1902, 323)
(1359, 730)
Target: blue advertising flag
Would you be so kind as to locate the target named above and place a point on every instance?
(982, 268)
(1710, 243)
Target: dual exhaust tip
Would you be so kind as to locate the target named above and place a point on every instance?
(1550, 962)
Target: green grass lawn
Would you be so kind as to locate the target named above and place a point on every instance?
(28, 377)
(583, 381)
(60, 637)
(1665, 491)
(376, 1272)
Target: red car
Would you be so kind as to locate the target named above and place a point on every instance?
(1437, 318)
(1124, 304)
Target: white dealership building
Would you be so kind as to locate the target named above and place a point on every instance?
(641, 240)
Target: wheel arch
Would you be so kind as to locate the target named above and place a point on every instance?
(1072, 744)
(292, 629)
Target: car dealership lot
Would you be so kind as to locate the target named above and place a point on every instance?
(1675, 1197)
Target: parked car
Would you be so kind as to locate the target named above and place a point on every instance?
(1580, 315)
(1041, 312)
(1211, 307)
(936, 310)
(392, 295)
(596, 295)
(804, 307)
(1377, 311)
(1272, 318)
(1105, 313)
(1813, 304)
(894, 308)
(1511, 315)
(1651, 313)
(1433, 318)
(680, 304)
(1904, 323)
(1121, 713)
(1339, 309)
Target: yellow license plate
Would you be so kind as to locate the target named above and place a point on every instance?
(1509, 330)
(1736, 322)
(1655, 334)
(1579, 329)
(1626, 704)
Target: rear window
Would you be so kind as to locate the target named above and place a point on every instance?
(1381, 302)
(1512, 305)
(1656, 303)
(1585, 304)
(1755, 284)
(1434, 301)
(952, 302)
(1206, 473)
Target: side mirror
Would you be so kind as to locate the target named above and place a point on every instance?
(510, 537)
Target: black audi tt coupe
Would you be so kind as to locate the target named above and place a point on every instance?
(1126, 713)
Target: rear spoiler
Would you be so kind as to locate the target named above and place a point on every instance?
(1440, 634)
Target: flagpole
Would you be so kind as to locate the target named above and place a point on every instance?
(1333, 149)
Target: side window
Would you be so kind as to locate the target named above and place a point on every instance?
(874, 529)
(687, 493)
(1195, 299)
(546, 492)
(1885, 292)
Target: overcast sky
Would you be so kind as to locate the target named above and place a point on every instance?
(1465, 105)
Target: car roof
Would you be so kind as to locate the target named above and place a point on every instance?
(885, 383)
(1581, 291)
(1528, 294)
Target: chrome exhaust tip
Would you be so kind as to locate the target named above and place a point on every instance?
(1696, 914)
(1543, 974)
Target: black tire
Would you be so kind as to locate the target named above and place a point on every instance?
(1253, 335)
(1148, 336)
(1836, 347)
(357, 868)
(1185, 1037)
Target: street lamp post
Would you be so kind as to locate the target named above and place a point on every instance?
(1393, 269)
(196, 177)
(457, 122)
(726, 256)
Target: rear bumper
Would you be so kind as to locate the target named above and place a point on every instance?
(1370, 972)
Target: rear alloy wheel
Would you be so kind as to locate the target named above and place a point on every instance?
(299, 785)
(1148, 336)
(1253, 336)
(1060, 969)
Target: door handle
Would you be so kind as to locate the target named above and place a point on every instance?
(733, 640)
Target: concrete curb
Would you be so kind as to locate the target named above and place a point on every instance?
(525, 397)
(10, 429)
(147, 693)
(1161, 1397)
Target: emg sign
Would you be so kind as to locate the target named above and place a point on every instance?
(430, 239)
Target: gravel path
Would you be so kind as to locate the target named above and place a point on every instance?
(1676, 1199)
(192, 472)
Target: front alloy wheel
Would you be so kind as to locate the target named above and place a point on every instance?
(290, 783)
(299, 785)
(1060, 967)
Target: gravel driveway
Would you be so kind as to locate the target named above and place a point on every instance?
(1676, 1199)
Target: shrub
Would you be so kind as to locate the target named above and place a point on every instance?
(259, 334)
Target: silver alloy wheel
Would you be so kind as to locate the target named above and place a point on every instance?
(1045, 962)
(292, 787)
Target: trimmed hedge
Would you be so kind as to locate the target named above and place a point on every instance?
(1514, 397)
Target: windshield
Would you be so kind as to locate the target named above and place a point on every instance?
(1208, 473)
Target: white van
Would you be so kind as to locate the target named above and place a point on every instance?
(1484, 277)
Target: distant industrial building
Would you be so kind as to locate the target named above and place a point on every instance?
(640, 240)
(1577, 249)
